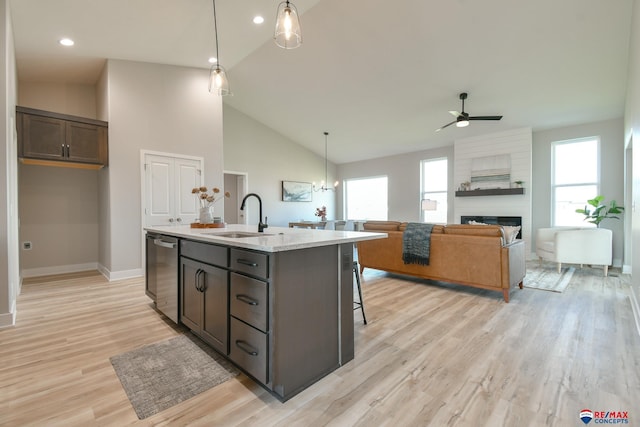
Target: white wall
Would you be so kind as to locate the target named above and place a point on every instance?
(517, 144)
(403, 173)
(159, 108)
(74, 99)
(611, 171)
(631, 127)
(269, 158)
(59, 216)
(9, 271)
(104, 192)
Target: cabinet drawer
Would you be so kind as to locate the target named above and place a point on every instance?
(254, 263)
(211, 254)
(249, 349)
(249, 299)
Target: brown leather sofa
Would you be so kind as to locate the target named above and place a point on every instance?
(472, 255)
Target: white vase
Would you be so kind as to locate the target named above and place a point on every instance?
(206, 215)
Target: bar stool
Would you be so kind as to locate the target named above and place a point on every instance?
(359, 304)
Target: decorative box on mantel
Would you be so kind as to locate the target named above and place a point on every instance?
(490, 192)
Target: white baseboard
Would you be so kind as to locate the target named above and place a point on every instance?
(75, 268)
(8, 319)
(59, 269)
(120, 275)
(626, 269)
(635, 308)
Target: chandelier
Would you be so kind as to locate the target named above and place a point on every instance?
(324, 184)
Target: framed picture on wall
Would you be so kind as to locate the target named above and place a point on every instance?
(294, 191)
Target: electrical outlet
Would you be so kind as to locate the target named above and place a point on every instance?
(26, 246)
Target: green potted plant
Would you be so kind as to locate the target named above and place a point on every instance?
(600, 210)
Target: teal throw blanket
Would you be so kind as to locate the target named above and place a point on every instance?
(416, 243)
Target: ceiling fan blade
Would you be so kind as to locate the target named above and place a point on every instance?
(454, 113)
(485, 118)
(447, 125)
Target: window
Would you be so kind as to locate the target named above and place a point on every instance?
(366, 198)
(574, 179)
(434, 189)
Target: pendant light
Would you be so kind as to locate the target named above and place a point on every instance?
(287, 34)
(218, 82)
(324, 184)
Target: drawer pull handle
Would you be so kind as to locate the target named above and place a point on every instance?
(246, 299)
(244, 346)
(247, 262)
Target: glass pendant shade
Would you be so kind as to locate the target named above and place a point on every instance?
(218, 82)
(287, 34)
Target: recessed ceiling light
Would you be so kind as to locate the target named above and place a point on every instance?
(66, 42)
(258, 19)
(213, 60)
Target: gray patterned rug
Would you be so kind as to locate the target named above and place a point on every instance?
(546, 277)
(158, 376)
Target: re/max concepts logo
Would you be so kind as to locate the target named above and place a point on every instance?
(604, 417)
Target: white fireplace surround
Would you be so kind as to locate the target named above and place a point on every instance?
(510, 150)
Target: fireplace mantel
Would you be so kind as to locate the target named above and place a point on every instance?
(490, 192)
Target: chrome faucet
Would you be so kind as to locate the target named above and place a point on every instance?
(261, 225)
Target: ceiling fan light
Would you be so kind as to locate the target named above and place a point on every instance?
(218, 82)
(462, 123)
(287, 34)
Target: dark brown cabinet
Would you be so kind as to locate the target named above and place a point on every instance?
(204, 296)
(249, 301)
(45, 137)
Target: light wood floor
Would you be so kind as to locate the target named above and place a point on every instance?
(430, 356)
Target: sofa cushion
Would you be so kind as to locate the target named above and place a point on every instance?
(437, 228)
(474, 230)
(382, 225)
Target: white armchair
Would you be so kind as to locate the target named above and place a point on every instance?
(575, 246)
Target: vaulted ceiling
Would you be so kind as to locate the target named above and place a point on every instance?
(380, 76)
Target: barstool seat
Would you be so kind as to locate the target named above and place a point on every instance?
(359, 304)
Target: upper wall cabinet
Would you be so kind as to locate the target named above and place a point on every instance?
(53, 139)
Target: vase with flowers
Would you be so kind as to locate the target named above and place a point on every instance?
(322, 213)
(206, 200)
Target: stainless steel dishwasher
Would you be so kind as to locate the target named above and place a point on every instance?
(162, 273)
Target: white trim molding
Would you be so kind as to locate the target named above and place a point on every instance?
(59, 269)
(8, 319)
(120, 275)
(635, 308)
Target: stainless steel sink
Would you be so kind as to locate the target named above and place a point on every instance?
(238, 234)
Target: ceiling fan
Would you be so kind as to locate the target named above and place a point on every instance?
(462, 118)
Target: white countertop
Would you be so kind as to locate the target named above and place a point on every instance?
(274, 239)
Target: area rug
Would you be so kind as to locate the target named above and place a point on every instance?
(158, 376)
(547, 278)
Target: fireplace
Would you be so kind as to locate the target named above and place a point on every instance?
(501, 220)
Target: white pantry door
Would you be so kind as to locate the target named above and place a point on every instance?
(168, 181)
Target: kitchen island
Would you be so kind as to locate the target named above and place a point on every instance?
(278, 304)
